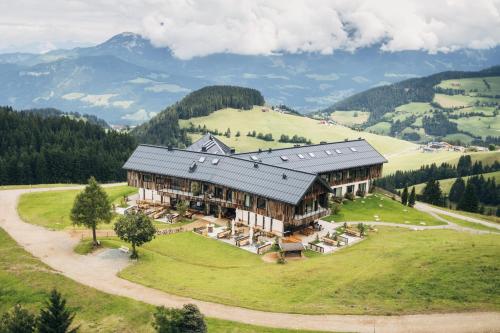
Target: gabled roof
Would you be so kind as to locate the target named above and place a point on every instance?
(321, 157)
(210, 144)
(268, 181)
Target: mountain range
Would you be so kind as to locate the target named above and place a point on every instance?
(126, 80)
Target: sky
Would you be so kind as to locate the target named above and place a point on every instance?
(194, 28)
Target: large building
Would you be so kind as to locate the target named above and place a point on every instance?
(279, 190)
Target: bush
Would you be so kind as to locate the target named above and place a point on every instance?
(188, 319)
(335, 208)
(349, 196)
(360, 193)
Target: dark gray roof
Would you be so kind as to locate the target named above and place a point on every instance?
(239, 174)
(212, 145)
(320, 160)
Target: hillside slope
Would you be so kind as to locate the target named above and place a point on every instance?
(164, 128)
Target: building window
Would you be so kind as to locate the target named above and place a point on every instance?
(229, 195)
(337, 192)
(248, 200)
(176, 184)
(261, 203)
(350, 189)
(218, 192)
(147, 178)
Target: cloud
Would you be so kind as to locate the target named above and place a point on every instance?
(165, 87)
(400, 75)
(360, 79)
(330, 98)
(139, 116)
(323, 77)
(200, 27)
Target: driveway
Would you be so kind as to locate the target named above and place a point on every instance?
(55, 248)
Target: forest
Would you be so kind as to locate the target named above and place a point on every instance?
(164, 128)
(464, 167)
(43, 148)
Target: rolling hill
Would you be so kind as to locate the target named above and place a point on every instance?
(458, 107)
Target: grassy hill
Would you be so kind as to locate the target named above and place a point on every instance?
(402, 155)
(469, 101)
(446, 183)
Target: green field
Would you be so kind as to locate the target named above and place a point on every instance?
(454, 101)
(18, 187)
(278, 124)
(481, 126)
(350, 118)
(467, 224)
(393, 271)
(458, 137)
(386, 209)
(446, 184)
(25, 280)
(382, 128)
(476, 84)
(51, 209)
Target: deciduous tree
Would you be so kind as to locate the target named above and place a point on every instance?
(136, 229)
(91, 207)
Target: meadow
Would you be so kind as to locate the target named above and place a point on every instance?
(52, 209)
(350, 118)
(467, 224)
(474, 85)
(383, 208)
(27, 281)
(393, 271)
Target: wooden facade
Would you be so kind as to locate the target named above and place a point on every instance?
(313, 205)
(352, 175)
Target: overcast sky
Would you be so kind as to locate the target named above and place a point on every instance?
(196, 28)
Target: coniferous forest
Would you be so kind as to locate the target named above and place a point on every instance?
(36, 149)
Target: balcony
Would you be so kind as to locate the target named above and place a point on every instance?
(206, 197)
(311, 216)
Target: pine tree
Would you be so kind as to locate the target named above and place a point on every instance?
(457, 190)
(404, 196)
(412, 198)
(18, 320)
(469, 201)
(55, 317)
(432, 193)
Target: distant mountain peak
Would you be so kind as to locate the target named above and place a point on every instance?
(130, 41)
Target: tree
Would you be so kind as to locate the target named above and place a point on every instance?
(136, 229)
(469, 201)
(362, 229)
(185, 320)
(432, 193)
(17, 320)
(412, 198)
(404, 196)
(457, 190)
(182, 207)
(55, 317)
(91, 207)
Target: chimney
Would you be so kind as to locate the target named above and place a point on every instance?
(170, 148)
(256, 165)
(284, 176)
(270, 150)
(233, 150)
(260, 150)
(203, 149)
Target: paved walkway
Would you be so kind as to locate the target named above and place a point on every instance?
(55, 248)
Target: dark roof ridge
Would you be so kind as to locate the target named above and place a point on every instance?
(231, 157)
(293, 147)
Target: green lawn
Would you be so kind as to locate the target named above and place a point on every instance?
(17, 187)
(483, 126)
(446, 184)
(452, 101)
(387, 210)
(27, 281)
(468, 224)
(277, 124)
(393, 271)
(349, 118)
(383, 128)
(51, 209)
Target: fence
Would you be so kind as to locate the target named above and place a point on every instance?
(316, 248)
(170, 231)
(264, 248)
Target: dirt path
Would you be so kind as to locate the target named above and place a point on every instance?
(55, 248)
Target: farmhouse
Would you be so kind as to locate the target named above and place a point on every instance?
(278, 191)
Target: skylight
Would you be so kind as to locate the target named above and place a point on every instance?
(353, 149)
(338, 151)
(311, 154)
(202, 159)
(284, 158)
(215, 161)
(328, 152)
(255, 158)
(300, 155)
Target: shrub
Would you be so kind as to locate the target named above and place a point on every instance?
(349, 196)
